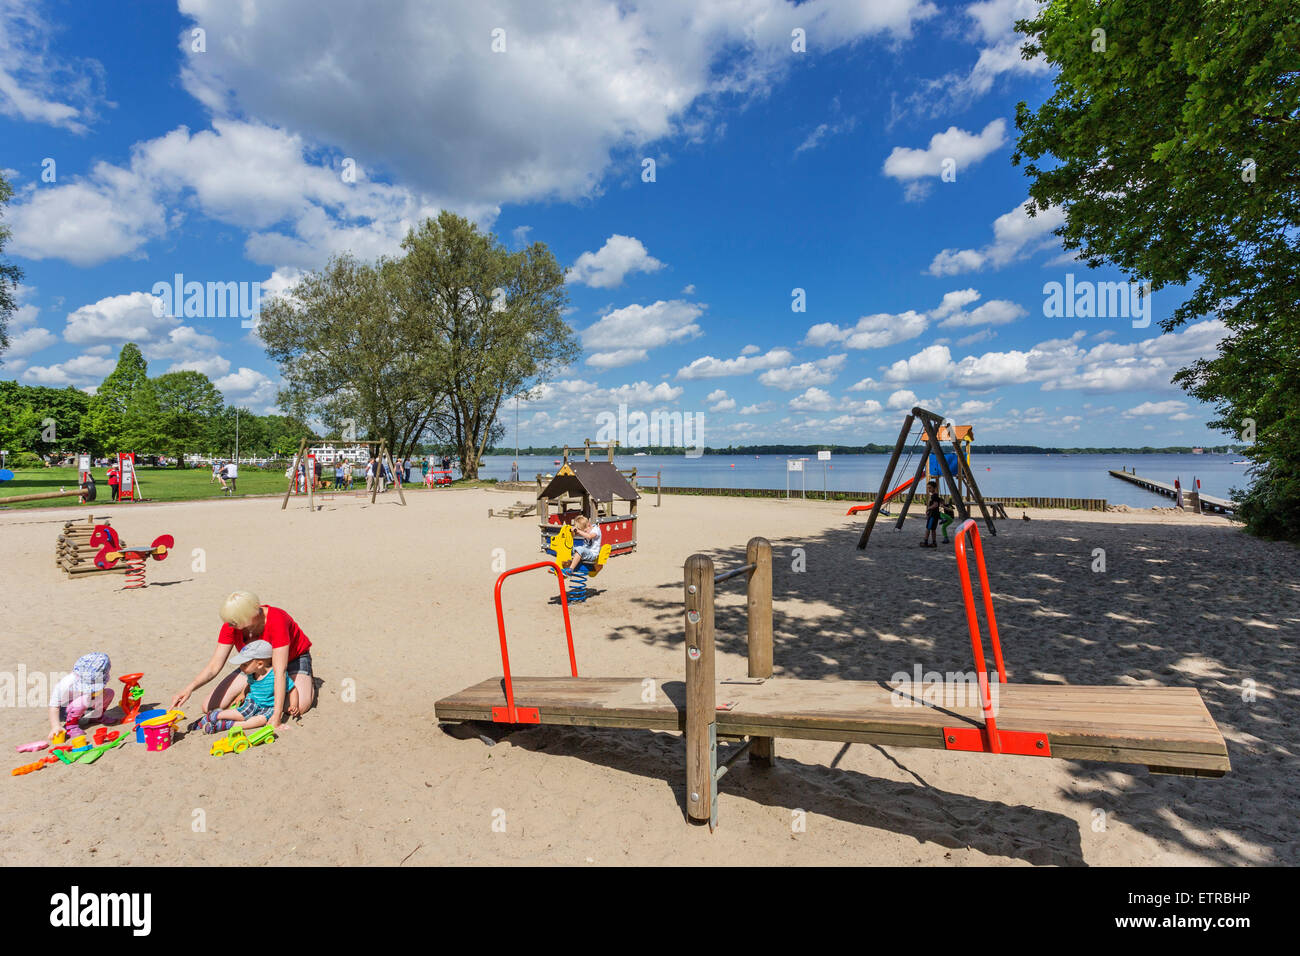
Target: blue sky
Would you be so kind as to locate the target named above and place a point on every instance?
(139, 148)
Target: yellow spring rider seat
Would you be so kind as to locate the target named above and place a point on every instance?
(561, 545)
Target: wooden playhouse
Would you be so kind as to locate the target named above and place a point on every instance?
(596, 489)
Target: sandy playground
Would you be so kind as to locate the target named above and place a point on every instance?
(398, 604)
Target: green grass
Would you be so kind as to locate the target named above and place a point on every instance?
(170, 484)
(156, 484)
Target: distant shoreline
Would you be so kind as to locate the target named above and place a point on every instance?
(873, 450)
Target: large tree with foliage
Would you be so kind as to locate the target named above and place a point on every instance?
(121, 405)
(10, 274)
(20, 424)
(496, 317)
(352, 353)
(45, 421)
(185, 403)
(1171, 142)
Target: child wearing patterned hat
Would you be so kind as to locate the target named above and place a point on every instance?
(81, 694)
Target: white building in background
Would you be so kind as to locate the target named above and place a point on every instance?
(328, 453)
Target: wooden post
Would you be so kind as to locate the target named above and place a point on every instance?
(759, 599)
(701, 689)
(911, 489)
(302, 449)
(41, 496)
(965, 476)
(659, 488)
(879, 501)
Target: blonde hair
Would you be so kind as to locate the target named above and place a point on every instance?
(240, 608)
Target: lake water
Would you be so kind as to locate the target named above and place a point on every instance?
(999, 476)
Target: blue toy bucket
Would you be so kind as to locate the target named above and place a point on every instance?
(141, 718)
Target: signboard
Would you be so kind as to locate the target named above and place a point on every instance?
(793, 465)
(83, 462)
(823, 456)
(126, 465)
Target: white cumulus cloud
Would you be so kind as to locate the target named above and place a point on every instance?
(615, 260)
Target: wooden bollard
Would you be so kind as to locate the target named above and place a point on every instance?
(759, 600)
(701, 689)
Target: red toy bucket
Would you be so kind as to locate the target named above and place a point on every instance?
(157, 737)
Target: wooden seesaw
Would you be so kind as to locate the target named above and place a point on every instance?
(1167, 729)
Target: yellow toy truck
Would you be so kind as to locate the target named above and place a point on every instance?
(236, 741)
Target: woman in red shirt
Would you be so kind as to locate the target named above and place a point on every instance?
(114, 480)
(246, 619)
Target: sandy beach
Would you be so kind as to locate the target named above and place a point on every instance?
(398, 604)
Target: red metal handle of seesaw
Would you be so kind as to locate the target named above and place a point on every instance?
(969, 528)
(509, 714)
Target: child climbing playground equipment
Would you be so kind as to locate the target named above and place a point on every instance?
(1167, 729)
(952, 467)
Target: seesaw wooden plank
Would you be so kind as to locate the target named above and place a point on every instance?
(1168, 727)
(847, 706)
(574, 701)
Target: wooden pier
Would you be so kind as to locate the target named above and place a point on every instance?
(1193, 500)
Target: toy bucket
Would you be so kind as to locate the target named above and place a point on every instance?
(141, 718)
(157, 736)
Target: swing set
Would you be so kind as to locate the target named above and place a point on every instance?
(304, 469)
(952, 466)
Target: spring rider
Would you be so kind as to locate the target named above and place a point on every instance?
(561, 545)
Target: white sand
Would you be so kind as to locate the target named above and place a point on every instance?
(398, 603)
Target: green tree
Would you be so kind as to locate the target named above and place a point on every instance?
(20, 425)
(1170, 141)
(496, 317)
(120, 404)
(236, 427)
(350, 352)
(186, 404)
(45, 421)
(10, 274)
(282, 433)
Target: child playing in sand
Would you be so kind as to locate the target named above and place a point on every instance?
(932, 508)
(590, 533)
(258, 706)
(80, 694)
